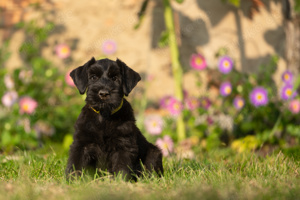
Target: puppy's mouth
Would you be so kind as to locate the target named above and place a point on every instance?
(104, 104)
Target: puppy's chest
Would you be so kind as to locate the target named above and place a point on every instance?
(109, 138)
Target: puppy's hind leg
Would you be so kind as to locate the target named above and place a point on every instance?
(121, 164)
(153, 160)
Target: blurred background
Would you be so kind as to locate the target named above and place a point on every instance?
(215, 74)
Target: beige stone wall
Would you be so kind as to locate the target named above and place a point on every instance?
(205, 27)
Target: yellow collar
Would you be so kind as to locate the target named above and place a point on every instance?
(112, 112)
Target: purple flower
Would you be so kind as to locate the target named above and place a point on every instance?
(294, 106)
(9, 98)
(109, 47)
(225, 64)
(238, 103)
(198, 62)
(287, 92)
(205, 103)
(166, 145)
(192, 103)
(63, 51)
(185, 94)
(154, 124)
(259, 96)
(287, 76)
(225, 89)
(209, 120)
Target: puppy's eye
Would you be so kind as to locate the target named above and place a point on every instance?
(93, 77)
(114, 78)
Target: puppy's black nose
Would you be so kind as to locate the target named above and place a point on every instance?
(103, 94)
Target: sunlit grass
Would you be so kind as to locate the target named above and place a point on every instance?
(215, 175)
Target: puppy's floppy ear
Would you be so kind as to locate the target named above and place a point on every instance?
(80, 76)
(130, 77)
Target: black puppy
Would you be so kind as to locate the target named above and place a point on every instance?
(106, 136)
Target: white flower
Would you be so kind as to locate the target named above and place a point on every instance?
(9, 98)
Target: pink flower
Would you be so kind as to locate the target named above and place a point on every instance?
(109, 47)
(9, 98)
(294, 106)
(25, 76)
(27, 105)
(166, 145)
(192, 103)
(150, 77)
(68, 79)
(165, 102)
(198, 62)
(154, 124)
(175, 107)
(63, 51)
(205, 103)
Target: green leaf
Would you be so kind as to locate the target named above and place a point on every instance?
(297, 83)
(6, 138)
(68, 139)
(141, 14)
(236, 3)
(164, 39)
(213, 141)
(179, 1)
(293, 130)
(297, 6)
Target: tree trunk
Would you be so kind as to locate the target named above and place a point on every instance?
(292, 31)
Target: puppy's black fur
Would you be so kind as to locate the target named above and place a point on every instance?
(109, 140)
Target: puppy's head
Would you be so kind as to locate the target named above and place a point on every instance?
(105, 82)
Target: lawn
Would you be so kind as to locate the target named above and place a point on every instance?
(220, 174)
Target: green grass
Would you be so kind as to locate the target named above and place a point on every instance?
(214, 175)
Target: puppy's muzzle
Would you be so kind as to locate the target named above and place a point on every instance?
(103, 94)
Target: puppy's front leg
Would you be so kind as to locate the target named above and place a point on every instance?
(74, 165)
(121, 163)
(82, 157)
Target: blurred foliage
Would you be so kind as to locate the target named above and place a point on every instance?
(236, 3)
(257, 3)
(223, 125)
(39, 79)
(297, 6)
(4, 54)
